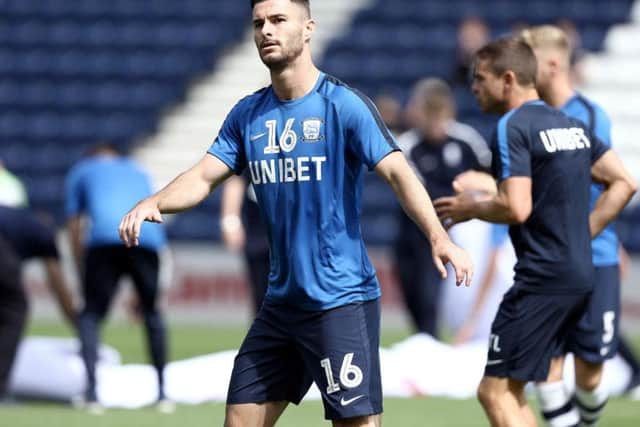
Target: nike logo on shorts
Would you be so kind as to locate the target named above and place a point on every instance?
(258, 136)
(349, 401)
(494, 362)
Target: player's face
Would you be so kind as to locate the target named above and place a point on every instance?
(487, 88)
(279, 28)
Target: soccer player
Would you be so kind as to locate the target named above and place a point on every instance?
(99, 190)
(439, 148)
(595, 338)
(305, 139)
(24, 236)
(544, 162)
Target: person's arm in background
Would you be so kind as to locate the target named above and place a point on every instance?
(59, 289)
(465, 332)
(417, 204)
(233, 195)
(619, 188)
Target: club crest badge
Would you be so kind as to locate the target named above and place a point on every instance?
(311, 130)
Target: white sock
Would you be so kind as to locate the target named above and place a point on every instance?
(591, 404)
(556, 405)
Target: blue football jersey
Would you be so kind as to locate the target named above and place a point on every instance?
(605, 245)
(553, 245)
(104, 188)
(306, 161)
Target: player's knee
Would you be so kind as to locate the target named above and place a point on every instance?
(365, 421)
(487, 394)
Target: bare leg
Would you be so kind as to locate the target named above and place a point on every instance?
(254, 414)
(591, 395)
(366, 421)
(504, 402)
(554, 398)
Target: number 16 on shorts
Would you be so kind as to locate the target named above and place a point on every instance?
(350, 374)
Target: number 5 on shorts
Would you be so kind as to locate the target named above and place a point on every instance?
(350, 375)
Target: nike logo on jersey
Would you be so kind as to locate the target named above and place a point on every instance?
(564, 139)
(494, 362)
(350, 401)
(257, 136)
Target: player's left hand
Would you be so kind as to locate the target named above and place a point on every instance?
(444, 251)
(455, 209)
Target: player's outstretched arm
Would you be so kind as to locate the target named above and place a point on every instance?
(183, 193)
(417, 204)
(473, 180)
(511, 205)
(619, 188)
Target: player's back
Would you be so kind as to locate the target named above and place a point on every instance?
(554, 243)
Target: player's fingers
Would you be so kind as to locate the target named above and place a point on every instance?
(440, 266)
(155, 217)
(124, 229)
(469, 273)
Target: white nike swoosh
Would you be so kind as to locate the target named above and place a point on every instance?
(348, 401)
(494, 362)
(258, 136)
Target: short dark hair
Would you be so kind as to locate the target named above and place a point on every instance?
(510, 53)
(304, 3)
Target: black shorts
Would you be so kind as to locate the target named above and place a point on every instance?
(595, 337)
(528, 328)
(287, 349)
(105, 265)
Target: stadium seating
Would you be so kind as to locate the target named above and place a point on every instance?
(78, 71)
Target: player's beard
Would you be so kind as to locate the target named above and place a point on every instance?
(288, 54)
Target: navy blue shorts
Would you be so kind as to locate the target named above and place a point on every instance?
(286, 349)
(526, 331)
(595, 337)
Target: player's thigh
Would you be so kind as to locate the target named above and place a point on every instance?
(527, 329)
(260, 414)
(143, 266)
(268, 367)
(341, 350)
(102, 270)
(366, 421)
(595, 337)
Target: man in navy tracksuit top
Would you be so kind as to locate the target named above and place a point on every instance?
(544, 162)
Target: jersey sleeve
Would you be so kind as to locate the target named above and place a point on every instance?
(510, 151)
(367, 136)
(602, 127)
(75, 198)
(228, 145)
(598, 148)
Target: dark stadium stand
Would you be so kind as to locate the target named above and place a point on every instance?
(77, 71)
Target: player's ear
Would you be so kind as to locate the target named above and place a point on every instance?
(509, 79)
(309, 28)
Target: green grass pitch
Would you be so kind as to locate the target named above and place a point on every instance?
(190, 340)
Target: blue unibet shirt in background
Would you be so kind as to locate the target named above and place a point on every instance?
(605, 245)
(105, 188)
(553, 245)
(305, 158)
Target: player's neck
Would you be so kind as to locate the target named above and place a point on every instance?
(522, 96)
(296, 80)
(560, 93)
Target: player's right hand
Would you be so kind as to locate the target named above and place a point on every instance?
(129, 229)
